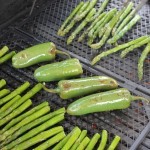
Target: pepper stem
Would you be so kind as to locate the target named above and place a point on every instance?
(139, 98)
(50, 90)
(62, 53)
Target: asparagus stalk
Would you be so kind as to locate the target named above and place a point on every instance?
(33, 124)
(132, 47)
(93, 142)
(79, 140)
(81, 26)
(2, 83)
(116, 49)
(74, 136)
(39, 138)
(141, 61)
(21, 117)
(25, 121)
(114, 143)
(35, 131)
(18, 91)
(116, 37)
(10, 103)
(103, 140)
(4, 92)
(3, 51)
(70, 17)
(83, 144)
(51, 141)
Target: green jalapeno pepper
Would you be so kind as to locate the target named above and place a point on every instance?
(59, 70)
(36, 54)
(83, 86)
(105, 101)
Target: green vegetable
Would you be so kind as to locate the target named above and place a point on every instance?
(39, 138)
(116, 49)
(114, 143)
(7, 57)
(83, 86)
(141, 61)
(4, 92)
(83, 144)
(93, 142)
(59, 70)
(51, 141)
(105, 101)
(103, 140)
(3, 51)
(2, 83)
(74, 136)
(79, 140)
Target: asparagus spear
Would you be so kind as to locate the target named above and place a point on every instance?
(116, 37)
(103, 140)
(81, 26)
(10, 103)
(18, 91)
(116, 49)
(3, 51)
(7, 57)
(79, 140)
(33, 124)
(114, 143)
(21, 117)
(141, 61)
(132, 47)
(2, 83)
(28, 95)
(93, 142)
(16, 112)
(25, 121)
(70, 17)
(51, 141)
(4, 92)
(74, 136)
(83, 144)
(39, 138)
(35, 131)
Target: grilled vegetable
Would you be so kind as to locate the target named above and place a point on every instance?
(105, 101)
(79, 87)
(3, 51)
(2, 83)
(36, 54)
(4, 92)
(83, 144)
(58, 71)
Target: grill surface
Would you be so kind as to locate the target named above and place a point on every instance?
(130, 123)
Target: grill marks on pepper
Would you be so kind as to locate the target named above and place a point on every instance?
(52, 51)
(66, 85)
(24, 55)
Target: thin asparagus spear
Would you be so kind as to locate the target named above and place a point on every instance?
(35, 131)
(116, 49)
(74, 136)
(28, 95)
(79, 140)
(83, 144)
(116, 37)
(39, 138)
(103, 30)
(7, 57)
(114, 143)
(3, 51)
(93, 142)
(75, 10)
(25, 121)
(51, 141)
(10, 103)
(33, 124)
(123, 16)
(132, 47)
(2, 83)
(81, 26)
(141, 61)
(21, 117)
(18, 91)
(103, 142)
(4, 92)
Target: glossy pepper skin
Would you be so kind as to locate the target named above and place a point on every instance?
(83, 86)
(105, 101)
(35, 54)
(59, 71)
